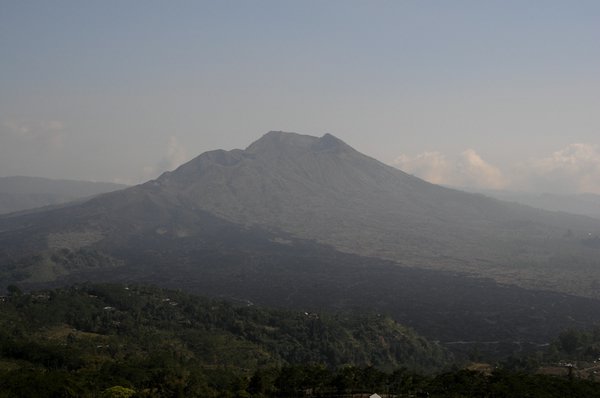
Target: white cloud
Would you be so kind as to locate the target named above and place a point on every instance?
(124, 181)
(474, 171)
(13, 128)
(175, 155)
(574, 168)
(431, 166)
(468, 169)
(46, 133)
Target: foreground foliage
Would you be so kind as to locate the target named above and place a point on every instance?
(113, 341)
(88, 338)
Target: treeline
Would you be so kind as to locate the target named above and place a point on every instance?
(88, 338)
(581, 345)
(214, 332)
(301, 381)
(572, 346)
(160, 380)
(141, 341)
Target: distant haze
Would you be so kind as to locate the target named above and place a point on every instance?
(495, 94)
(21, 193)
(584, 204)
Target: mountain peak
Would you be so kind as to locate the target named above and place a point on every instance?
(329, 143)
(274, 140)
(270, 146)
(280, 140)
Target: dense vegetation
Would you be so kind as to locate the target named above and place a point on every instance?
(581, 345)
(91, 337)
(574, 352)
(139, 341)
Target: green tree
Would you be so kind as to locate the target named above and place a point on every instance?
(14, 290)
(118, 392)
(569, 341)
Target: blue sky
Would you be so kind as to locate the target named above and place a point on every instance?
(501, 94)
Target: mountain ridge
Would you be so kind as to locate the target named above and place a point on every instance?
(284, 181)
(322, 226)
(321, 189)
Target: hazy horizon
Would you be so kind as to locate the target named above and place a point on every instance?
(496, 95)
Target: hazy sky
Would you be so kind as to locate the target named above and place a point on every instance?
(500, 94)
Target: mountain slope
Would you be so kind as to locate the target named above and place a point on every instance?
(22, 193)
(311, 188)
(320, 188)
(266, 224)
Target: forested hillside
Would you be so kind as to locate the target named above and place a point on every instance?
(139, 341)
(88, 338)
